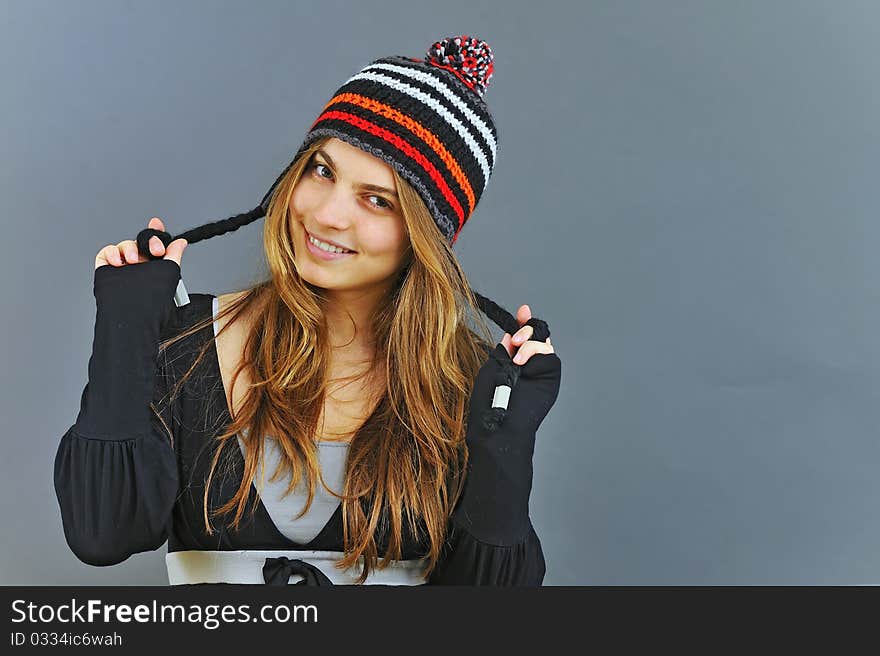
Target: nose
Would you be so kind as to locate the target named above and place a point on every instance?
(333, 210)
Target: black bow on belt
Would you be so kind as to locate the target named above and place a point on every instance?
(277, 571)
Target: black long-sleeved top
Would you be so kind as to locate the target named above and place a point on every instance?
(130, 473)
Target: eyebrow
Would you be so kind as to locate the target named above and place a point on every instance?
(363, 185)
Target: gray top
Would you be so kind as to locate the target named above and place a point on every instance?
(283, 509)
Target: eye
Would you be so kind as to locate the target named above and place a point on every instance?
(382, 204)
(315, 165)
(385, 206)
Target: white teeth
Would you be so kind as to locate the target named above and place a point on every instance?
(327, 247)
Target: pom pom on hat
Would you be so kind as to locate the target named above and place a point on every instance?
(468, 57)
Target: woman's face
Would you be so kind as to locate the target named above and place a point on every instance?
(334, 201)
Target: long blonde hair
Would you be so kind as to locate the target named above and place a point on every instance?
(408, 459)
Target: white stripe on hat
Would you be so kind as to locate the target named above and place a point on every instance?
(448, 93)
(439, 109)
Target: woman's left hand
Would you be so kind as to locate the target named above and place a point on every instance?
(537, 381)
(520, 342)
(494, 506)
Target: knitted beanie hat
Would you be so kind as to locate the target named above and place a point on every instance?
(425, 118)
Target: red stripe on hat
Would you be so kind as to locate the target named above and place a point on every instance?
(402, 146)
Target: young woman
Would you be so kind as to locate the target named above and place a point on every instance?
(339, 421)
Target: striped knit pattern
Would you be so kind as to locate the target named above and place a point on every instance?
(424, 118)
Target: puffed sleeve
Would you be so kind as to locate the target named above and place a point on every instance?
(491, 540)
(115, 469)
(467, 560)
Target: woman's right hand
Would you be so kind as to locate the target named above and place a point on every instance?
(126, 252)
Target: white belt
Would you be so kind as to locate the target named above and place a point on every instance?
(278, 567)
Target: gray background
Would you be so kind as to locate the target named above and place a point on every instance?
(686, 192)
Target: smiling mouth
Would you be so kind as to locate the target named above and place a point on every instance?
(320, 253)
(346, 251)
